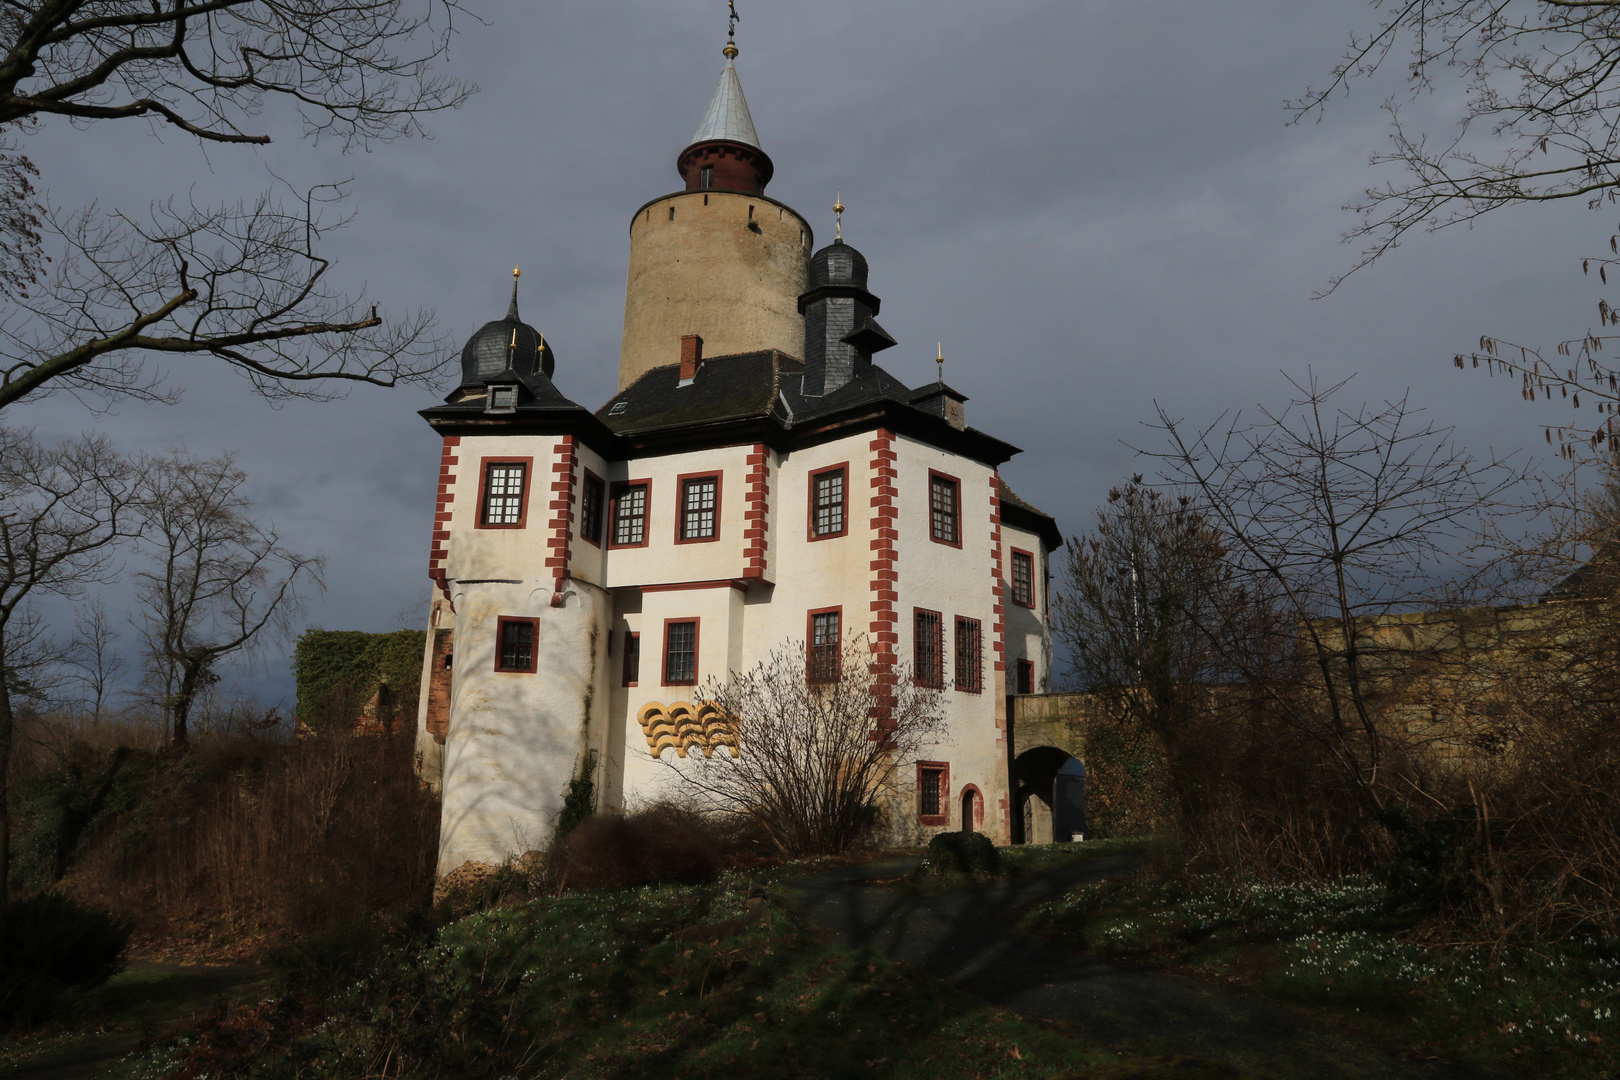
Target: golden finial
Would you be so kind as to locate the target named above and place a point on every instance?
(730, 50)
(838, 216)
(516, 272)
(940, 360)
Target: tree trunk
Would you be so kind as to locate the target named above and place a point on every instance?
(5, 784)
(190, 676)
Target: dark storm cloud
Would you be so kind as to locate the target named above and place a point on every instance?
(1094, 206)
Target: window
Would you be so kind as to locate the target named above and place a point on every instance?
(503, 504)
(706, 176)
(943, 509)
(680, 652)
(515, 644)
(630, 514)
(591, 498)
(928, 649)
(933, 782)
(502, 399)
(632, 658)
(826, 641)
(1023, 578)
(700, 505)
(967, 655)
(1026, 677)
(827, 502)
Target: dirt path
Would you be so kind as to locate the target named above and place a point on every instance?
(965, 936)
(147, 999)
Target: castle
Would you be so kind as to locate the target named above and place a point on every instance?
(757, 479)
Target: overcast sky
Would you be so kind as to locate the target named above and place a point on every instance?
(1093, 204)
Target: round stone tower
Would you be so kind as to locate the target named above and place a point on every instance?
(718, 259)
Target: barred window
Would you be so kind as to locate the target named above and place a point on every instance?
(516, 644)
(942, 503)
(630, 515)
(1026, 677)
(700, 497)
(825, 639)
(632, 658)
(967, 655)
(1023, 578)
(827, 503)
(503, 492)
(590, 509)
(928, 649)
(930, 797)
(680, 653)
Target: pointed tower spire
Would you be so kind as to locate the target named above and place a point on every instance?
(511, 309)
(725, 153)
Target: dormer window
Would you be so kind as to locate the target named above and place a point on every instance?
(706, 176)
(501, 399)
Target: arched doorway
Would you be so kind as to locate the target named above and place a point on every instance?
(1045, 810)
(970, 807)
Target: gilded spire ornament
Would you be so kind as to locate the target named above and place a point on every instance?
(940, 360)
(838, 217)
(730, 50)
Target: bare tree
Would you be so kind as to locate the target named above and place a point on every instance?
(63, 508)
(1134, 600)
(244, 283)
(1334, 516)
(95, 663)
(220, 580)
(1539, 118)
(815, 759)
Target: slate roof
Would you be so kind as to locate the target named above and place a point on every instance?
(727, 117)
(1016, 511)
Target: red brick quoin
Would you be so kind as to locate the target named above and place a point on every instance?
(998, 634)
(755, 523)
(885, 584)
(441, 517)
(559, 544)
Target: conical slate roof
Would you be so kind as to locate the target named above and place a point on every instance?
(728, 117)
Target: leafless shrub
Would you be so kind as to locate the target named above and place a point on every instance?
(816, 759)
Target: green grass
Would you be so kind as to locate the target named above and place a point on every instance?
(1337, 949)
(618, 984)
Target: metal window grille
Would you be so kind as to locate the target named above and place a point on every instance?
(517, 645)
(590, 510)
(928, 649)
(942, 504)
(632, 658)
(824, 643)
(928, 794)
(630, 515)
(1023, 581)
(698, 498)
(503, 493)
(967, 655)
(1026, 677)
(829, 511)
(680, 653)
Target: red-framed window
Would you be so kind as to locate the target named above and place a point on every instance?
(824, 645)
(928, 648)
(699, 518)
(592, 500)
(969, 671)
(503, 492)
(629, 525)
(680, 652)
(515, 641)
(1025, 679)
(944, 509)
(632, 658)
(1023, 578)
(933, 793)
(829, 502)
